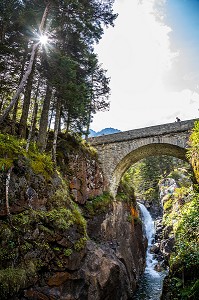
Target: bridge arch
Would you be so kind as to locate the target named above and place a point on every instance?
(144, 152)
(117, 152)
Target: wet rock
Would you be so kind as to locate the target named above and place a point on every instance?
(158, 267)
(166, 247)
(167, 231)
(155, 248)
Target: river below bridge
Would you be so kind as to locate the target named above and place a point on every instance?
(151, 282)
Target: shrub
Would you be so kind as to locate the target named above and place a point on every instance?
(99, 204)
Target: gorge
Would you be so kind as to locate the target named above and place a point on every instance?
(61, 244)
(65, 237)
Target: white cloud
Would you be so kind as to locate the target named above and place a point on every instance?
(136, 53)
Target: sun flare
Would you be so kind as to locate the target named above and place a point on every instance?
(43, 39)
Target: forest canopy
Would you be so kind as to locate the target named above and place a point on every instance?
(58, 84)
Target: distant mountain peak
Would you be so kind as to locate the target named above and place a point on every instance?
(104, 131)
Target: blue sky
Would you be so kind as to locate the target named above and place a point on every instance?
(151, 55)
(183, 17)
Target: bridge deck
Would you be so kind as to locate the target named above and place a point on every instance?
(143, 132)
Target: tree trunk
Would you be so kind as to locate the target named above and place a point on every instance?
(14, 113)
(7, 191)
(88, 125)
(56, 129)
(3, 97)
(29, 69)
(26, 104)
(41, 142)
(33, 122)
(68, 122)
(49, 123)
(59, 126)
(33, 138)
(51, 117)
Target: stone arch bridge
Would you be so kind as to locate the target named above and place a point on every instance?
(118, 151)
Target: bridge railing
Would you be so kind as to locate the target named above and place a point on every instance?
(151, 131)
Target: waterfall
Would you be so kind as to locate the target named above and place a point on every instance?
(149, 229)
(150, 284)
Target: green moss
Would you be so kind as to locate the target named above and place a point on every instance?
(68, 252)
(11, 280)
(125, 191)
(150, 194)
(57, 249)
(61, 218)
(168, 204)
(133, 219)
(22, 219)
(7, 254)
(130, 218)
(79, 219)
(5, 164)
(80, 244)
(11, 148)
(121, 196)
(88, 148)
(41, 163)
(34, 234)
(98, 205)
(5, 232)
(61, 198)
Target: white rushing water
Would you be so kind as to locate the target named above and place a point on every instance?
(150, 285)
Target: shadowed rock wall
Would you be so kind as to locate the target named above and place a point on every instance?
(108, 269)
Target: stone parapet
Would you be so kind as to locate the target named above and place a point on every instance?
(151, 131)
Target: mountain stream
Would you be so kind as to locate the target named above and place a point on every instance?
(150, 284)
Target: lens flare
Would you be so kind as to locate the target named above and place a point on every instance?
(43, 39)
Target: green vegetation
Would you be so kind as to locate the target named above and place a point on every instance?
(186, 257)
(168, 204)
(182, 213)
(193, 150)
(63, 82)
(125, 191)
(12, 279)
(98, 205)
(35, 234)
(80, 244)
(134, 219)
(68, 252)
(12, 149)
(70, 84)
(145, 175)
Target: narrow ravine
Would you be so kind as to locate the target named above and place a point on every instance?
(150, 284)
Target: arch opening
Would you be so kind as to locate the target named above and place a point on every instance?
(144, 152)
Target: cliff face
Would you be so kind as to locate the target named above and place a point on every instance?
(79, 164)
(52, 248)
(108, 269)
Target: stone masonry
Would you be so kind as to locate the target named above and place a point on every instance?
(118, 151)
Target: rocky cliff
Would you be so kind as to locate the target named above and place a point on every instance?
(61, 236)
